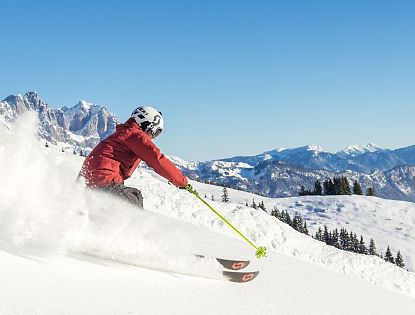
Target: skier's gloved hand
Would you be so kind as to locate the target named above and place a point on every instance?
(188, 187)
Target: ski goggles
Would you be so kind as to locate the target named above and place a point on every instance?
(157, 132)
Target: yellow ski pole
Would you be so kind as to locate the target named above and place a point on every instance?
(260, 251)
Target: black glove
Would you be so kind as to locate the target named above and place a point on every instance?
(188, 187)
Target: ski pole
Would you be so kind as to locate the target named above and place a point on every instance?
(260, 251)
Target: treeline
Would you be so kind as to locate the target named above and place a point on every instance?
(260, 205)
(335, 186)
(297, 222)
(349, 241)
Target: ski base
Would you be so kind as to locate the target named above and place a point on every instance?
(240, 277)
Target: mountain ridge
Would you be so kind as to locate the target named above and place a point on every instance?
(81, 126)
(274, 173)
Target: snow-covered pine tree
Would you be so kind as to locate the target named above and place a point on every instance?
(344, 239)
(287, 218)
(362, 246)
(372, 248)
(305, 229)
(335, 239)
(388, 256)
(297, 222)
(225, 196)
(399, 260)
(326, 235)
(319, 235)
(275, 213)
(354, 243)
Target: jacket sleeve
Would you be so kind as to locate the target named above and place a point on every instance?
(146, 150)
(132, 169)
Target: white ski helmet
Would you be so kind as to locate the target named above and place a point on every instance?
(149, 119)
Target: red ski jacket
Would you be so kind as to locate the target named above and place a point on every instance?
(114, 159)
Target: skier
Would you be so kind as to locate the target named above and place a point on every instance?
(115, 158)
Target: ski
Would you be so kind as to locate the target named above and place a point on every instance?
(236, 276)
(230, 264)
(233, 264)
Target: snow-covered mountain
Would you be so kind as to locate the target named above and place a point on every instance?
(363, 159)
(275, 173)
(358, 149)
(83, 125)
(46, 265)
(280, 179)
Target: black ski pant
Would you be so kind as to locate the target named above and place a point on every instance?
(130, 194)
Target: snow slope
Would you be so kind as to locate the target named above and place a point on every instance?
(388, 222)
(49, 226)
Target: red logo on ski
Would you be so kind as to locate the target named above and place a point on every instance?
(238, 265)
(248, 277)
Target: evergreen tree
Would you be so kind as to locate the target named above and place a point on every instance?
(326, 235)
(253, 205)
(305, 229)
(372, 248)
(318, 190)
(246, 204)
(329, 188)
(357, 189)
(388, 256)
(276, 213)
(370, 191)
(344, 186)
(287, 218)
(399, 260)
(46, 145)
(319, 235)
(330, 239)
(213, 198)
(362, 246)
(335, 239)
(262, 206)
(74, 151)
(297, 222)
(225, 196)
(337, 185)
(354, 243)
(326, 187)
(63, 150)
(344, 239)
(302, 191)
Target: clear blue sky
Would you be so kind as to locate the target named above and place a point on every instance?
(231, 77)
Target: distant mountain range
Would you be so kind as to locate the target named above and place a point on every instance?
(276, 173)
(81, 126)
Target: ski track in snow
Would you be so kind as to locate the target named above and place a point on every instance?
(54, 232)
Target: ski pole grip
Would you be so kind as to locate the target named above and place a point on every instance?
(189, 188)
